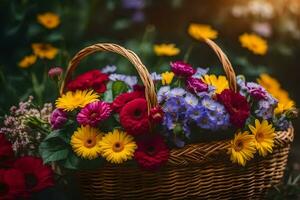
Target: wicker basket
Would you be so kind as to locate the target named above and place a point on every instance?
(197, 171)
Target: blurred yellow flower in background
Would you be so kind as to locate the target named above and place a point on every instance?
(242, 148)
(166, 50)
(274, 88)
(254, 43)
(167, 77)
(220, 82)
(43, 50)
(27, 61)
(201, 31)
(49, 20)
(264, 134)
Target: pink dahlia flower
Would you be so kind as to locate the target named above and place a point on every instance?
(196, 85)
(181, 68)
(93, 113)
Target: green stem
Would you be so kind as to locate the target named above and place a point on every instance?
(188, 53)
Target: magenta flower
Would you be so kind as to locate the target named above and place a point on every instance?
(196, 85)
(93, 113)
(181, 68)
(58, 118)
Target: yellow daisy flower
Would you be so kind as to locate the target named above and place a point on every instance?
(85, 142)
(242, 148)
(254, 43)
(77, 99)
(49, 20)
(167, 77)
(264, 135)
(220, 82)
(268, 82)
(201, 31)
(166, 50)
(27, 61)
(117, 146)
(274, 88)
(44, 50)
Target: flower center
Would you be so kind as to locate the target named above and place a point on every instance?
(118, 146)
(94, 115)
(150, 150)
(89, 143)
(3, 189)
(137, 113)
(30, 180)
(259, 136)
(238, 146)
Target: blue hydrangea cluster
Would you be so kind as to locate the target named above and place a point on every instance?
(183, 109)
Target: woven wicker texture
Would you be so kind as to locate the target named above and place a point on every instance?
(197, 171)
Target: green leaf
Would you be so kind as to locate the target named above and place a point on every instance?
(72, 161)
(53, 150)
(108, 95)
(119, 87)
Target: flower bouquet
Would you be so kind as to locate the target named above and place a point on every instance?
(200, 136)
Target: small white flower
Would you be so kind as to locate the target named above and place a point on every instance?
(109, 69)
(191, 99)
(200, 72)
(155, 76)
(163, 93)
(177, 92)
(129, 80)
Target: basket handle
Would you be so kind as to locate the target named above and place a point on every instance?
(128, 54)
(230, 74)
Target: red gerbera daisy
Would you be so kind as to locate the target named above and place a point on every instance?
(93, 79)
(12, 184)
(124, 98)
(37, 175)
(236, 105)
(134, 117)
(6, 152)
(151, 152)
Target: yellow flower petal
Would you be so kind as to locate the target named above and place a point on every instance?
(167, 77)
(27, 61)
(166, 50)
(117, 146)
(242, 148)
(254, 43)
(264, 135)
(201, 31)
(86, 142)
(77, 99)
(49, 20)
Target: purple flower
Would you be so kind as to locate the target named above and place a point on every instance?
(58, 118)
(133, 4)
(256, 91)
(195, 85)
(265, 107)
(250, 88)
(138, 16)
(93, 113)
(183, 69)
